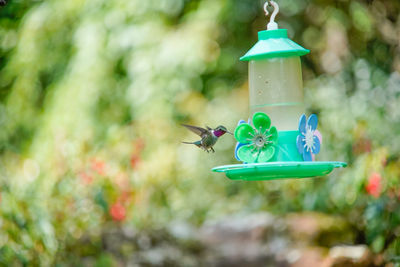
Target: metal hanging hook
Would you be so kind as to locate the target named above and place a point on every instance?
(272, 25)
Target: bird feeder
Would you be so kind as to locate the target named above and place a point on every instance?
(278, 141)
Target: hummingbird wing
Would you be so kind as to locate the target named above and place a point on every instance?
(197, 130)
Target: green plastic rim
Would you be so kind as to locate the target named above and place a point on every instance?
(278, 170)
(273, 44)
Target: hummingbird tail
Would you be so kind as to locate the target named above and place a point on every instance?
(197, 143)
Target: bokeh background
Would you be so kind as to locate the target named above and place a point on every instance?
(92, 171)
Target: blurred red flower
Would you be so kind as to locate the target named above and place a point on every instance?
(118, 212)
(135, 159)
(373, 187)
(98, 166)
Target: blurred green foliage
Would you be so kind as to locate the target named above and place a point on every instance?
(92, 94)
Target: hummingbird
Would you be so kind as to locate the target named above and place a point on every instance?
(208, 136)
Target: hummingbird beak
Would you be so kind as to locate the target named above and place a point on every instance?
(229, 132)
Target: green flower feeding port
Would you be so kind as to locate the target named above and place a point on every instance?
(288, 148)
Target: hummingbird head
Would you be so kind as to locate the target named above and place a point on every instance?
(220, 131)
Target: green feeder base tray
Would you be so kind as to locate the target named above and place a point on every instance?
(278, 170)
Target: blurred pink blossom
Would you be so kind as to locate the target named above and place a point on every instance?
(98, 166)
(86, 178)
(118, 212)
(373, 187)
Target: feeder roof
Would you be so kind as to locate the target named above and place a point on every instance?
(273, 44)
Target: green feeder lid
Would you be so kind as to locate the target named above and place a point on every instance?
(272, 44)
